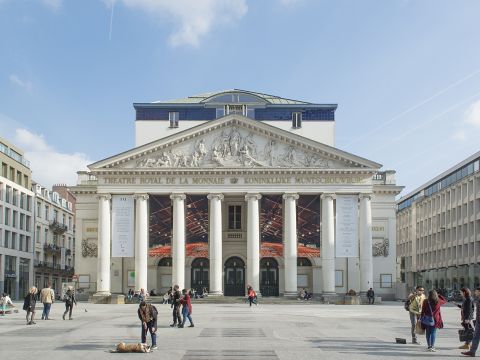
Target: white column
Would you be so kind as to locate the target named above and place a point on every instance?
(253, 241)
(215, 242)
(178, 240)
(328, 244)
(366, 257)
(290, 243)
(103, 261)
(141, 241)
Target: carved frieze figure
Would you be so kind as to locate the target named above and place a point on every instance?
(290, 156)
(381, 248)
(216, 156)
(195, 159)
(89, 249)
(270, 152)
(201, 149)
(247, 159)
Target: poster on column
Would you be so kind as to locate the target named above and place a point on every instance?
(346, 242)
(122, 226)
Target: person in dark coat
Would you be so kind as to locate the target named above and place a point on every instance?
(176, 304)
(466, 313)
(431, 307)
(476, 333)
(29, 304)
(371, 296)
(147, 313)
(69, 299)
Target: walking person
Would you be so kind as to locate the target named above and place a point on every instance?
(176, 303)
(476, 333)
(69, 299)
(29, 305)
(467, 312)
(252, 296)
(186, 309)
(47, 297)
(431, 317)
(147, 313)
(414, 305)
(371, 296)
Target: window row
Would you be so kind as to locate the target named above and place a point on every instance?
(15, 197)
(15, 241)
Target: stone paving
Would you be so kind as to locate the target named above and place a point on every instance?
(229, 331)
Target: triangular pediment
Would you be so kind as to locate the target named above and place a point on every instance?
(234, 142)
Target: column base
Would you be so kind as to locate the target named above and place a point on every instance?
(215, 293)
(101, 297)
(329, 298)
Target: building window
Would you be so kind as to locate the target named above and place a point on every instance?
(37, 235)
(173, 117)
(45, 236)
(46, 212)
(234, 217)
(220, 112)
(237, 109)
(7, 193)
(297, 120)
(385, 280)
(14, 241)
(38, 210)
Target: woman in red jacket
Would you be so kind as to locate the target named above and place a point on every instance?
(431, 309)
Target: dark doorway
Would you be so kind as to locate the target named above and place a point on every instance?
(269, 277)
(200, 269)
(234, 277)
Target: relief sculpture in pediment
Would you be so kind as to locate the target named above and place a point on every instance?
(232, 147)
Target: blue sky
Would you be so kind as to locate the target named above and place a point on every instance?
(405, 74)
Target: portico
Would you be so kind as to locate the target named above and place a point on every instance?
(232, 203)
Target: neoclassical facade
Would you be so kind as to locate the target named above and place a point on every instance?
(235, 201)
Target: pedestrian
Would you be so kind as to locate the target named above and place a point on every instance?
(147, 313)
(29, 305)
(186, 308)
(414, 305)
(142, 295)
(47, 297)
(130, 295)
(252, 296)
(176, 303)
(431, 317)
(166, 298)
(69, 299)
(5, 302)
(476, 333)
(467, 312)
(371, 296)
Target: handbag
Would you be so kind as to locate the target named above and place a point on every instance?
(428, 320)
(465, 335)
(418, 328)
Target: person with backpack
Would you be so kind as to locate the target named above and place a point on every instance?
(467, 310)
(47, 297)
(176, 303)
(414, 307)
(147, 313)
(69, 299)
(431, 317)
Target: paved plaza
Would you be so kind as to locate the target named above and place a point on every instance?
(229, 331)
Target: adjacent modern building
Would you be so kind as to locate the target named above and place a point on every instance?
(235, 188)
(438, 230)
(16, 222)
(54, 237)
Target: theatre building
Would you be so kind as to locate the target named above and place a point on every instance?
(235, 188)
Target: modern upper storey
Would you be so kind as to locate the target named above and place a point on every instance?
(159, 119)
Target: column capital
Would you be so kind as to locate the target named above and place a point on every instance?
(180, 196)
(366, 196)
(143, 196)
(327, 195)
(104, 196)
(290, 195)
(253, 195)
(213, 196)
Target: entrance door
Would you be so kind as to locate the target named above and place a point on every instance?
(200, 268)
(269, 277)
(234, 277)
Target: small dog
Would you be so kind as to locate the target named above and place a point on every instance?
(131, 348)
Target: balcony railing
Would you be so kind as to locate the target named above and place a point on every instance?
(52, 248)
(45, 265)
(58, 228)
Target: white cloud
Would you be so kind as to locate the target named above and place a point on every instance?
(14, 79)
(53, 4)
(48, 165)
(460, 135)
(472, 115)
(192, 19)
